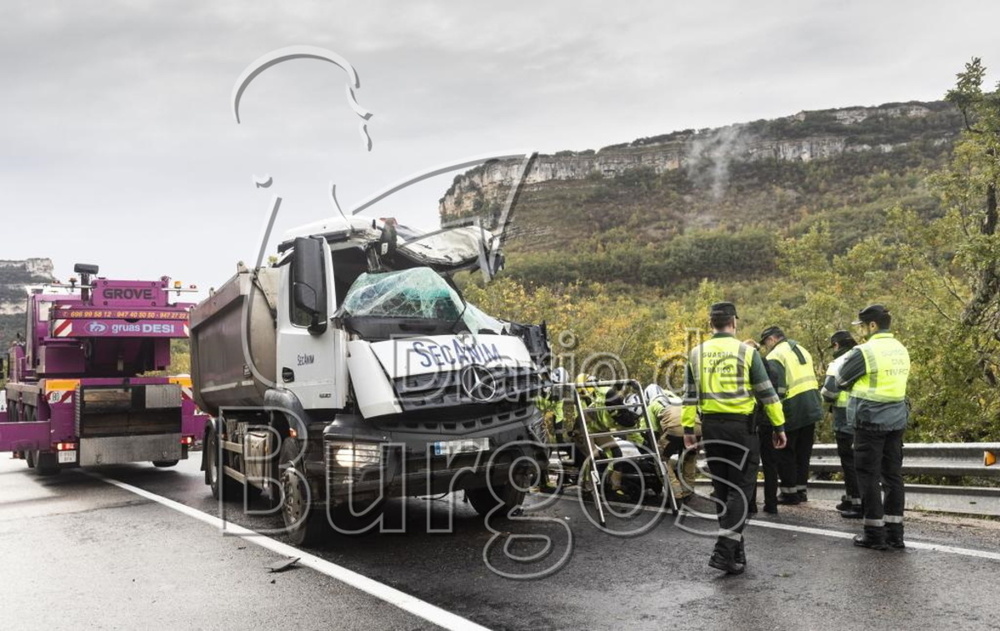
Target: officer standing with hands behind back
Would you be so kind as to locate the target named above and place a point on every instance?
(876, 373)
(722, 382)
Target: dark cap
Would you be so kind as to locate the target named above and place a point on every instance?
(870, 313)
(844, 338)
(769, 331)
(722, 309)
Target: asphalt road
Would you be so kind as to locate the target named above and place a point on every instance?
(80, 552)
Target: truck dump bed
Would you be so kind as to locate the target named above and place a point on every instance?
(218, 363)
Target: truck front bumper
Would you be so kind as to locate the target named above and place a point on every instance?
(362, 467)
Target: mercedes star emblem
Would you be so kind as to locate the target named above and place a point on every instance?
(479, 383)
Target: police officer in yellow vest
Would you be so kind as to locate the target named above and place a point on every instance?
(876, 373)
(850, 504)
(722, 382)
(796, 384)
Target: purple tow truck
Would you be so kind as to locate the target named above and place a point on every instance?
(76, 392)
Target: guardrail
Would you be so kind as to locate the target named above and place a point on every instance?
(943, 459)
(977, 460)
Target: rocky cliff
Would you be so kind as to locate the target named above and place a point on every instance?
(707, 155)
(14, 276)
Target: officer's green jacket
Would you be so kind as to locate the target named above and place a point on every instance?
(876, 373)
(796, 384)
(725, 378)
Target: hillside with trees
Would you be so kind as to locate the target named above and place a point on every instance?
(622, 267)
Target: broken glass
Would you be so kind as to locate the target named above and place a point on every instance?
(413, 293)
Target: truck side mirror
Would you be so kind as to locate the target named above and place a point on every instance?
(309, 281)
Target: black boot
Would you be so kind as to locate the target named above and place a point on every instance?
(894, 536)
(789, 498)
(852, 513)
(845, 503)
(803, 497)
(726, 563)
(741, 554)
(873, 537)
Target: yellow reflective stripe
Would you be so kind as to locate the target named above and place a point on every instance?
(182, 380)
(60, 385)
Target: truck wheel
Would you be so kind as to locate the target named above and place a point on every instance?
(483, 500)
(303, 524)
(29, 457)
(165, 463)
(47, 463)
(219, 482)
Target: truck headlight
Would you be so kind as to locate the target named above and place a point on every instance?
(354, 455)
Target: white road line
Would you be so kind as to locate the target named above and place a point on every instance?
(393, 596)
(910, 544)
(918, 545)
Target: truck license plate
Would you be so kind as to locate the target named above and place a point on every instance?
(67, 456)
(463, 446)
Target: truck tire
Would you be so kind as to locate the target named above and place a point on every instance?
(304, 525)
(483, 501)
(165, 463)
(219, 482)
(29, 457)
(47, 463)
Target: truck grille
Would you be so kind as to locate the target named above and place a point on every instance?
(464, 426)
(449, 389)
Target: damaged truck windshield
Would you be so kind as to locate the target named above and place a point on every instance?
(417, 300)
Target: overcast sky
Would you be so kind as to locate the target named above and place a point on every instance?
(118, 144)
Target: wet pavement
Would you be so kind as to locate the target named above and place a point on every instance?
(76, 539)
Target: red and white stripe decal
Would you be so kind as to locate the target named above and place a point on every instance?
(60, 396)
(187, 331)
(62, 328)
(186, 393)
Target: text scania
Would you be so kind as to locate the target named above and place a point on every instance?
(455, 353)
(144, 327)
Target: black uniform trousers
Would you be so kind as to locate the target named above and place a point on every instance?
(845, 449)
(793, 460)
(880, 455)
(733, 456)
(768, 463)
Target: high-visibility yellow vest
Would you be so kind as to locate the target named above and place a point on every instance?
(722, 367)
(887, 367)
(831, 371)
(799, 374)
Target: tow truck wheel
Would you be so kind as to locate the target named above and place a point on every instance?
(483, 500)
(165, 463)
(219, 482)
(303, 524)
(29, 457)
(47, 463)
